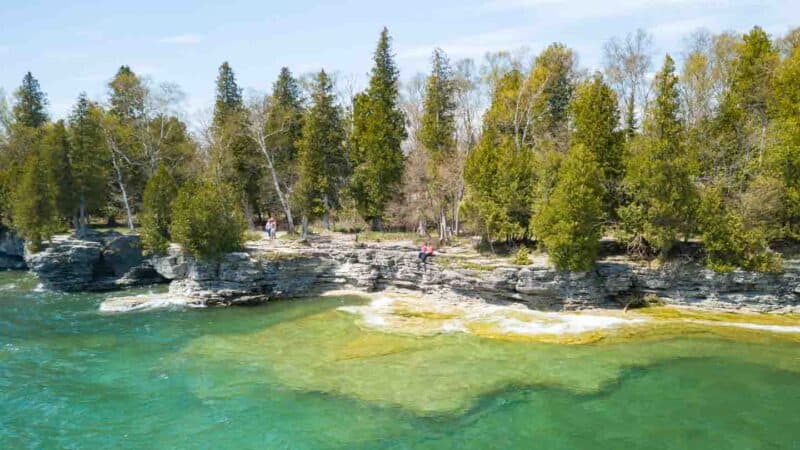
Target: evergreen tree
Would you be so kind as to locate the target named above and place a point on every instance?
(88, 160)
(322, 157)
(658, 175)
(570, 223)
(437, 134)
(377, 134)
(30, 109)
(284, 129)
(159, 194)
(595, 118)
(783, 153)
(57, 151)
(127, 95)
(239, 163)
(498, 173)
(228, 101)
(206, 219)
(727, 242)
(34, 205)
(438, 126)
(551, 86)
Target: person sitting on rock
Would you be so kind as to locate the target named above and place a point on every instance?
(425, 252)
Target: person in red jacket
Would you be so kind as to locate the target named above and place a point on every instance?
(425, 252)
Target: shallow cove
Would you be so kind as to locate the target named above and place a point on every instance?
(303, 374)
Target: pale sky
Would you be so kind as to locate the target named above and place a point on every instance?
(77, 45)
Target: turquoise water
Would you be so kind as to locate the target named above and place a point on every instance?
(275, 377)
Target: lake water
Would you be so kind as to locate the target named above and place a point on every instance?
(304, 375)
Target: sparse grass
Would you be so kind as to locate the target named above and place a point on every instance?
(279, 256)
(390, 236)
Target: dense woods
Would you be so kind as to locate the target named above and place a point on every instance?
(517, 149)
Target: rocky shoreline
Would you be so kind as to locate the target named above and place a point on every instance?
(273, 270)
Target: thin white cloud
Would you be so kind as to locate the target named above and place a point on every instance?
(182, 39)
(473, 46)
(4, 49)
(681, 28)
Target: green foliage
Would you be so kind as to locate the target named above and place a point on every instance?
(30, 108)
(498, 173)
(287, 115)
(595, 116)
(88, 157)
(322, 157)
(34, 202)
(727, 243)
(159, 193)
(378, 131)
(56, 152)
(658, 175)
(752, 73)
(207, 220)
(521, 258)
(438, 127)
(782, 156)
(570, 223)
(238, 162)
(228, 101)
(128, 95)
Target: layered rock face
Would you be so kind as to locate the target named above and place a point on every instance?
(12, 250)
(99, 262)
(258, 276)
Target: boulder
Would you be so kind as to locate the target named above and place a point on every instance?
(97, 262)
(12, 250)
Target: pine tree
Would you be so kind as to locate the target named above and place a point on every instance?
(285, 127)
(727, 242)
(658, 175)
(207, 220)
(498, 173)
(89, 161)
(782, 157)
(322, 158)
(438, 127)
(239, 163)
(595, 118)
(30, 109)
(437, 135)
(159, 193)
(34, 205)
(377, 134)
(228, 101)
(127, 95)
(570, 223)
(57, 151)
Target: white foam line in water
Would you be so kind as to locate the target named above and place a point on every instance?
(751, 326)
(563, 324)
(381, 312)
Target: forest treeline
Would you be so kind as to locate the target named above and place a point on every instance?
(652, 150)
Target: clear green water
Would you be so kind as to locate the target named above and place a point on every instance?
(300, 375)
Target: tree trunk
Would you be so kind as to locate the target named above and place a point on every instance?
(121, 183)
(443, 225)
(304, 227)
(422, 227)
(377, 224)
(326, 215)
(282, 197)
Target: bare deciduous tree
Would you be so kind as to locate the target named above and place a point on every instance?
(627, 63)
